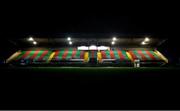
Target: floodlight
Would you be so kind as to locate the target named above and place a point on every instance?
(34, 42)
(114, 39)
(30, 39)
(143, 43)
(69, 38)
(70, 42)
(146, 39)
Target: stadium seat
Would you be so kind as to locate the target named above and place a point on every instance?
(68, 55)
(63, 56)
(146, 56)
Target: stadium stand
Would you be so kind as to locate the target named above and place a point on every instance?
(63, 56)
(115, 56)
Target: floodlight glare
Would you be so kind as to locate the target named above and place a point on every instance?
(112, 42)
(70, 42)
(34, 42)
(30, 39)
(114, 39)
(143, 43)
(146, 39)
(69, 38)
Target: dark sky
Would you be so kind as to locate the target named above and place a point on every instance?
(130, 18)
(47, 19)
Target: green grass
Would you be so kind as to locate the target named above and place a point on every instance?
(98, 70)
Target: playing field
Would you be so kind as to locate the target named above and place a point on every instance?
(93, 87)
(92, 72)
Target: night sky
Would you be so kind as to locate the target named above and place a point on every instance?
(154, 18)
(159, 19)
(92, 23)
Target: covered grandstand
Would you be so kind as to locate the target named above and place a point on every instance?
(90, 65)
(76, 50)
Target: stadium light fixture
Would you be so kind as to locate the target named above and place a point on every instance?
(70, 42)
(30, 39)
(69, 38)
(146, 39)
(143, 43)
(114, 39)
(34, 42)
(112, 42)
